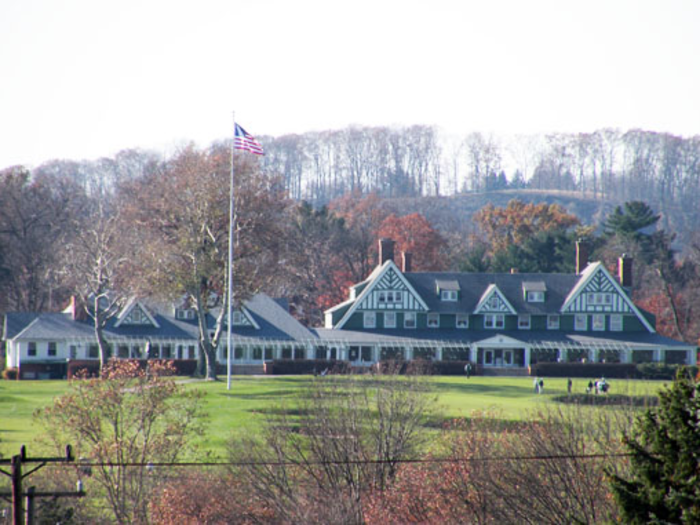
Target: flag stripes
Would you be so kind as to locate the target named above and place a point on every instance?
(245, 141)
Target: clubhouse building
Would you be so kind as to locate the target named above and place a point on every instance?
(499, 321)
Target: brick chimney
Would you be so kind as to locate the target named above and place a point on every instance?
(406, 260)
(624, 267)
(581, 256)
(386, 250)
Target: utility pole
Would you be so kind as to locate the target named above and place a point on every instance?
(16, 475)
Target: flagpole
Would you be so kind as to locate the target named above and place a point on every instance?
(229, 318)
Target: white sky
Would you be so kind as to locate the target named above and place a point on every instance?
(81, 79)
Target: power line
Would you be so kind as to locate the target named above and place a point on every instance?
(188, 464)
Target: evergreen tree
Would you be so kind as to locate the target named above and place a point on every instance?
(664, 482)
(630, 221)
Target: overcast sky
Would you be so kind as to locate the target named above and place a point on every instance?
(84, 79)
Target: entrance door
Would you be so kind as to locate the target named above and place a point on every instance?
(507, 357)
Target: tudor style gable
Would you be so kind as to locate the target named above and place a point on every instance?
(387, 289)
(493, 301)
(135, 314)
(597, 292)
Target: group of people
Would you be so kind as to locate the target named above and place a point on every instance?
(599, 387)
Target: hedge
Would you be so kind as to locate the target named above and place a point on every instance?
(613, 370)
(183, 367)
(662, 371)
(305, 366)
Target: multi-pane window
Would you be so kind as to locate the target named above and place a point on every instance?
(552, 322)
(616, 323)
(51, 349)
(493, 303)
(462, 321)
(535, 297)
(580, 322)
(598, 323)
(524, 322)
(598, 298)
(409, 320)
(389, 319)
(397, 297)
(31, 348)
(369, 320)
(494, 321)
(448, 295)
(382, 297)
(433, 320)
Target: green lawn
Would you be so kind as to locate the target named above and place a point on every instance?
(251, 399)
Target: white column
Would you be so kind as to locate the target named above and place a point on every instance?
(527, 357)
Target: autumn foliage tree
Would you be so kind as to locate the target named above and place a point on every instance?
(363, 216)
(120, 422)
(413, 233)
(519, 221)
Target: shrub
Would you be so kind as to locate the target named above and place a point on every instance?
(661, 370)
(10, 373)
(305, 366)
(616, 370)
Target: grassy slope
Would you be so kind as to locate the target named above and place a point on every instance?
(245, 407)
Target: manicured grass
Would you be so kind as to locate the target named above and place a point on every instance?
(243, 409)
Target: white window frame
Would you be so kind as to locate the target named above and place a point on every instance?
(398, 296)
(387, 317)
(410, 320)
(494, 321)
(369, 320)
(535, 297)
(433, 320)
(616, 323)
(553, 322)
(448, 295)
(598, 322)
(381, 297)
(237, 318)
(522, 325)
(462, 321)
(580, 322)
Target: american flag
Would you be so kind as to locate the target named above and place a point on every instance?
(245, 141)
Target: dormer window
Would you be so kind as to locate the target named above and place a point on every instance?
(447, 290)
(534, 291)
(184, 313)
(535, 297)
(238, 318)
(448, 295)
